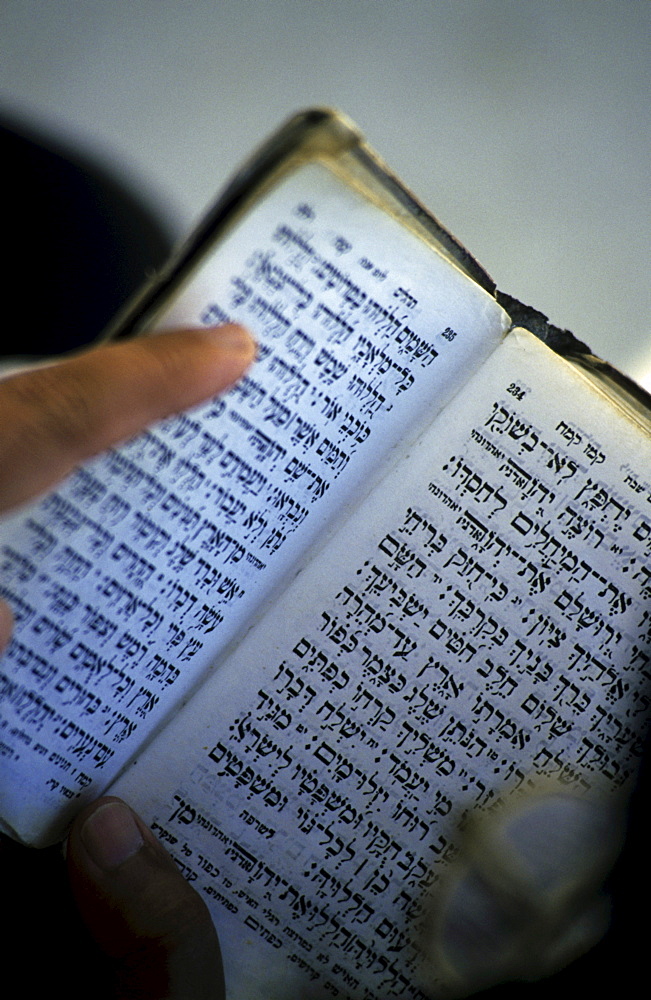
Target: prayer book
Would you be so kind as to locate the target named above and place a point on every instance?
(394, 581)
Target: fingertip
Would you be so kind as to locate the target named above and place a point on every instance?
(106, 834)
(233, 337)
(110, 834)
(234, 350)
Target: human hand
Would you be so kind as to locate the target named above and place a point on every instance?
(55, 417)
(126, 924)
(151, 925)
(115, 920)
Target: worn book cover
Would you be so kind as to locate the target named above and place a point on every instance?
(393, 581)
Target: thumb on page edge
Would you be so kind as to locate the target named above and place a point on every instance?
(149, 922)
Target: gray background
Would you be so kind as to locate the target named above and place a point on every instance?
(523, 124)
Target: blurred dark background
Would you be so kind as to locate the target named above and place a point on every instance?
(79, 244)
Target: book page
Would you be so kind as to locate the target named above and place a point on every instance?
(479, 622)
(130, 580)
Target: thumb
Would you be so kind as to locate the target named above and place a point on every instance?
(152, 926)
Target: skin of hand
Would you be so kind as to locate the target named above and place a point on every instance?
(122, 923)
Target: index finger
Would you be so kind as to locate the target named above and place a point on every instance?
(56, 417)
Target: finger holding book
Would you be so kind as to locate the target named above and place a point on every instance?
(55, 417)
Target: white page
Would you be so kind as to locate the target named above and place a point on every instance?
(130, 580)
(480, 621)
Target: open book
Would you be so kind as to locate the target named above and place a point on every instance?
(395, 575)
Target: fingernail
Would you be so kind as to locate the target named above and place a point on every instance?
(233, 338)
(111, 835)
